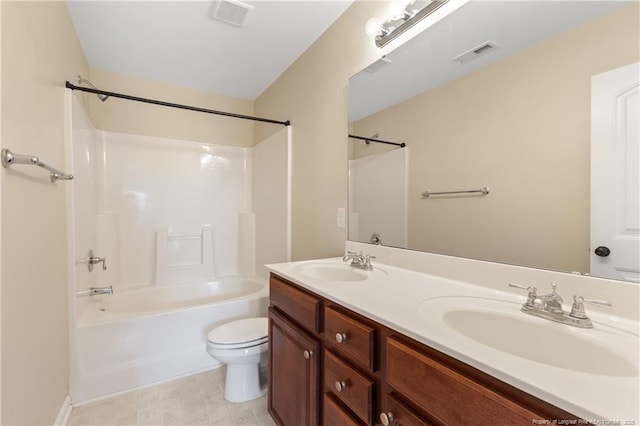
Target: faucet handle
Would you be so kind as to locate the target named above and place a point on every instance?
(531, 296)
(577, 309)
(601, 303)
(520, 286)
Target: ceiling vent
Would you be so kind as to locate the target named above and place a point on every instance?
(472, 54)
(232, 12)
(377, 65)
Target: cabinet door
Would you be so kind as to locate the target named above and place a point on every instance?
(294, 361)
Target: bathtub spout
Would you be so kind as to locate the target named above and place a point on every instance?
(95, 290)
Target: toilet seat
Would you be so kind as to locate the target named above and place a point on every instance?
(242, 333)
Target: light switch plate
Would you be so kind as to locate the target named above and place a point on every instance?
(342, 218)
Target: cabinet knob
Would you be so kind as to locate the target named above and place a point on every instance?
(341, 385)
(341, 337)
(307, 354)
(386, 418)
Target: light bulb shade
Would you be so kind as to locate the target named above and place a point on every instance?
(373, 28)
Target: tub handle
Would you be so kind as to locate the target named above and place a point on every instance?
(91, 260)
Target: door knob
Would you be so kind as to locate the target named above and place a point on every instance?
(602, 251)
(307, 354)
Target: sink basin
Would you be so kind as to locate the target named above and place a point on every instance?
(335, 272)
(500, 325)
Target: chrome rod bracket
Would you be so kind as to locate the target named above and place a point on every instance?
(9, 159)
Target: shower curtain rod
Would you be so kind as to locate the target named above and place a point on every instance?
(172, 105)
(369, 140)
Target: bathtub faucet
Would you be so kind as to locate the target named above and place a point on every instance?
(95, 290)
(94, 260)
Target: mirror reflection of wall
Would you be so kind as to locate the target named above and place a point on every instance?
(519, 123)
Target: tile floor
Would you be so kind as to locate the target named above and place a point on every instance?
(192, 400)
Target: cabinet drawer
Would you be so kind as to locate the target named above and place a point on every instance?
(350, 336)
(296, 303)
(398, 414)
(349, 386)
(442, 391)
(334, 415)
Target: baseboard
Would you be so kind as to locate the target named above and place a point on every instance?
(64, 413)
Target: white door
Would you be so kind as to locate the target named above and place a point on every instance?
(615, 180)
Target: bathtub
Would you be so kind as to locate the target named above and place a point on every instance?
(145, 335)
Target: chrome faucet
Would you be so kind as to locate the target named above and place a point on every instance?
(362, 261)
(94, 260)
(93, 291)
(91, 260)
(551, 302)
(549, 306)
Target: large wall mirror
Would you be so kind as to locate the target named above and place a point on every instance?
(538, 102)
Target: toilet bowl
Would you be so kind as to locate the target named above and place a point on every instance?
(242, 345)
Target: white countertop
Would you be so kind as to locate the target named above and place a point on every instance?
(394, 297)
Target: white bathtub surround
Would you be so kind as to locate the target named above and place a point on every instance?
(184, 258)
(394, 294)
(247, 243)
(153, 183)
(174, 220)
(195, 399)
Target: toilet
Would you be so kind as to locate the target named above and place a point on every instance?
(242, 345)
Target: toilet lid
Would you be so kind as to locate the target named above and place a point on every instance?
(249, 331)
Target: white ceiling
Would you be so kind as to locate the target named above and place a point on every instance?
(178, 42)
(425, 62)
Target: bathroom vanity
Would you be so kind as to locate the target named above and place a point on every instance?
(333, 366)
(336, 361)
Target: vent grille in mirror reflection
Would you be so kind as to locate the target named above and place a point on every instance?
(469, 55)
(377, 65)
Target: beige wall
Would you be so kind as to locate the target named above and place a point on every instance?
(39, 52)
(119, 115)
(1, 145)
(521, 127)
(312, 93)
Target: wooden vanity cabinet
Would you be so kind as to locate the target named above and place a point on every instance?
(294, 363)
(331, 366)
(294, 355)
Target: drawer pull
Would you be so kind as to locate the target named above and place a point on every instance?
(341, 337)
(386, 418)
(307, 354)
(341, 385)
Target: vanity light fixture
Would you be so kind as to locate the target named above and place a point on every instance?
(403, 16)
